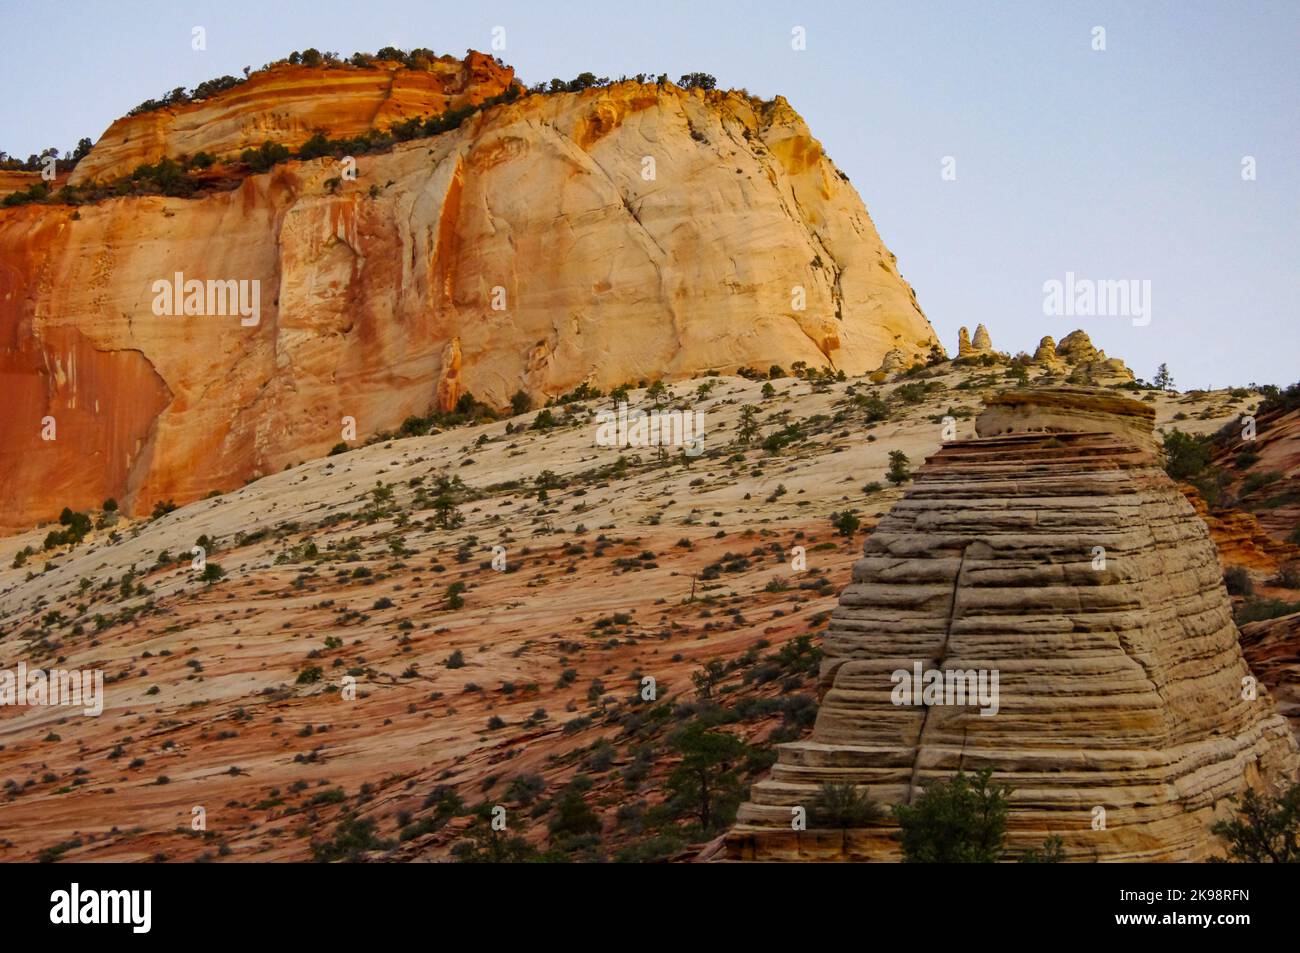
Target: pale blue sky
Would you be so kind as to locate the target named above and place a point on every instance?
(1117, 164)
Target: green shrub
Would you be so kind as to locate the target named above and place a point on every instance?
(264, 156)
(1236, 579)
(352, 838)
(1186, 456)
(962, 820)
(842, 806)
(1260, 610)
(1265, 830)
(846, 523)
(898, 472)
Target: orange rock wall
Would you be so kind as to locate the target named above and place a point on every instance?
(381, 306)
(288, 104)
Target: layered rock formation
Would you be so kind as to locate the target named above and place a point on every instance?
(1239, 537)
(17, 181)
(287, 104)
(1070, 565)
(1065, 409)
(1272, 649)
(621, 233)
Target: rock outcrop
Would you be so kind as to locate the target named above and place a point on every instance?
(1066, 409)
(1239, 537)
(1272, 649)
(1087, 364)
(17, 181)
(1045, 355)
(979, 346)
(616, 234)
(1067, 563)
(287, 105)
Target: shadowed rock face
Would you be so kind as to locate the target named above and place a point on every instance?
(532, 249)
(1120, 681)
(1272, 647)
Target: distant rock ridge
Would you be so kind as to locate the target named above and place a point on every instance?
(1066, 561)
(288, 104)
(1074, 358)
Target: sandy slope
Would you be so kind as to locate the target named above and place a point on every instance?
(203, 684)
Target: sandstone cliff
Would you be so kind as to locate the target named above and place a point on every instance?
(617, 234)
(287, 104)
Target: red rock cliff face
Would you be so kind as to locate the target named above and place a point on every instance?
(618, 234)
(287, 104)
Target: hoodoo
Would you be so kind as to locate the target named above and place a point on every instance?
(1053, 550)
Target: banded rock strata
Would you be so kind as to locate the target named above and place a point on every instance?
(1120, 684)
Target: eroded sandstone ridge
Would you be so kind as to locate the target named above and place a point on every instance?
(617, 234)
(1121, 678)
(287, 104)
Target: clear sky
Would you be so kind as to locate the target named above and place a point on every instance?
(1119, 164)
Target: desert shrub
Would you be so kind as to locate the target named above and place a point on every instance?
(875, 408)
(1261, 610)
(842, 806)
(1237, 581)
(353, 837)
(846, 523)
(1288, 577)
(898, 472)
(573, 816)
(961, 820)
(1186, 456)
(264, 156)
(1266, 829)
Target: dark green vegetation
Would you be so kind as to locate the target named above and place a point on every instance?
(963, 820)
(1265, 830)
